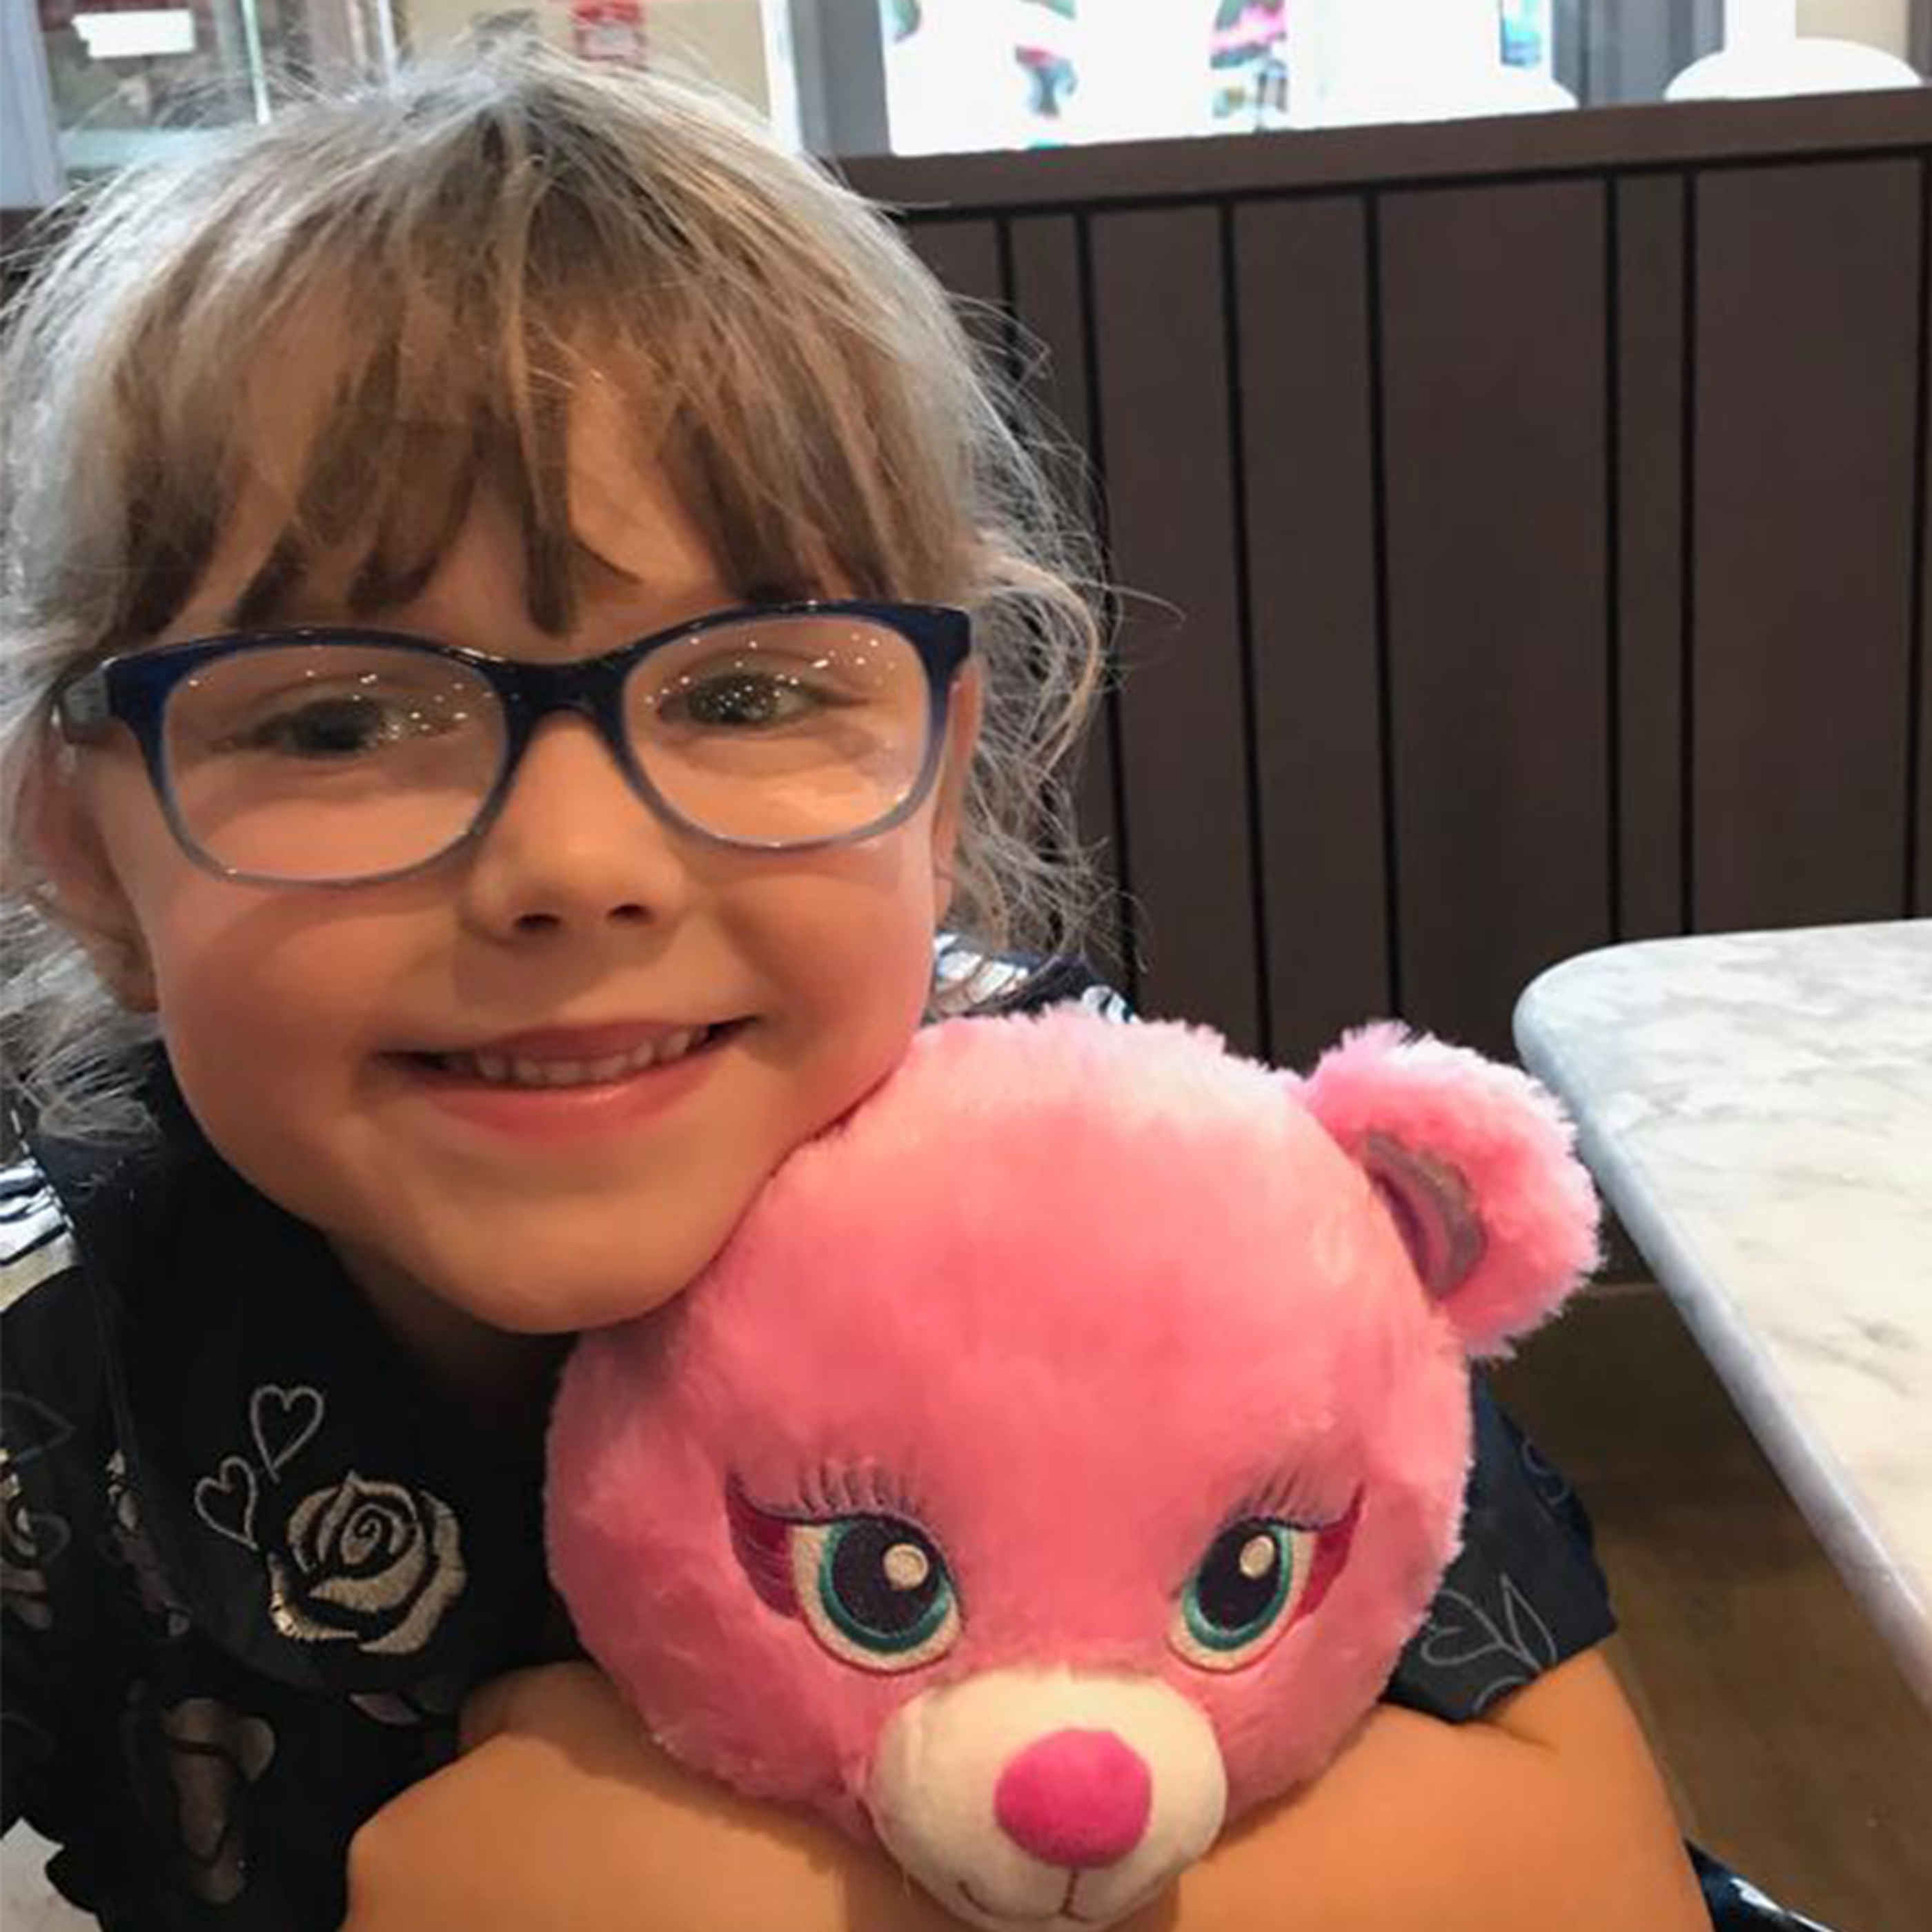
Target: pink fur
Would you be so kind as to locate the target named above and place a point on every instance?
(1069, 1295)
(1508, 1141)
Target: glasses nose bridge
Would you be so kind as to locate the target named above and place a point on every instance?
(590, 688)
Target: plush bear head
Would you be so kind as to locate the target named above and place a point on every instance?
(1056, 1460)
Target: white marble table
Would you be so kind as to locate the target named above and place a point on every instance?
(1758, 1109)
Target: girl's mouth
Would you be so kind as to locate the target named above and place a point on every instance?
(510, 1069)
(550, 1094)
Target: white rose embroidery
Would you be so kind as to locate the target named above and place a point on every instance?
(371, 1563)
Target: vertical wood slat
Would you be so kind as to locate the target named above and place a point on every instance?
(1304, 389)
(1649, 320)
(1048, 302)
(1807, 340)
(964, 255)
(1163, 402)
(1494, 382)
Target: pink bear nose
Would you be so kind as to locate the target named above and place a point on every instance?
(1075, 1798)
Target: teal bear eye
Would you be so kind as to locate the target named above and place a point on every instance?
(875, 1591)
(1243, 1593)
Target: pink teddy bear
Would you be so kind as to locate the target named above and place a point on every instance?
(1055, 1462)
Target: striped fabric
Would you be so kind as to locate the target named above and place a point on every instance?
(36, 1243)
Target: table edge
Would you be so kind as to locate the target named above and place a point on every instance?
(1817, 1482)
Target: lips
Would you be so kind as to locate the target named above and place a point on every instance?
(574, 1057)
(513, 1069)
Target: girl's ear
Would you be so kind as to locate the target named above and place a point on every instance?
(76, 886)
(963, 716)
(1475, 1164)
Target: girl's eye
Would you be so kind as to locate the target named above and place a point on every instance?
(875, 1591)
(1243, 1593)
(352, 725)
(741, 700)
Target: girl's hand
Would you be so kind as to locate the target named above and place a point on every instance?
(562, 1817)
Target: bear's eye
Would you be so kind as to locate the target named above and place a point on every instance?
(1244, 1593)
(875, 1591)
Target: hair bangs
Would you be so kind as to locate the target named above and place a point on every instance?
(396, 363)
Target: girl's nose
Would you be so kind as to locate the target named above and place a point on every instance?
(1075, 1798)
(573, 846)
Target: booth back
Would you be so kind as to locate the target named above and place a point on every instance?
(1522, 529)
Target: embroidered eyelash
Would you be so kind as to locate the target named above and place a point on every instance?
(1290, 1499)
(834, 1490)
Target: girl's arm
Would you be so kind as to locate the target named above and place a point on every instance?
(1547, 1812)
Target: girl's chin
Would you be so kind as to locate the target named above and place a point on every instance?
(561, 1307)
(563, 1310)
(454, 1306)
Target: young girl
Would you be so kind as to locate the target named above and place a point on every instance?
(489, 740)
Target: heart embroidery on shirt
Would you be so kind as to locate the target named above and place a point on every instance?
(282, 1421)
(226, 1502)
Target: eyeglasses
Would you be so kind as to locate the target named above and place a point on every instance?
(337, 757)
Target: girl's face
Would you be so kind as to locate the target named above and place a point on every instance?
(290, 1014)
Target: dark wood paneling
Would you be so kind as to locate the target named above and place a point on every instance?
(1163, 398)
(1046, 295)
(1648, 441)
(1493, 307)
(1613, 443)
(1052, 358)
(1807, 348)
(1299, 273)
(965, 256)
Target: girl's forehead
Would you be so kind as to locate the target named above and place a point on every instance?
(635, 549)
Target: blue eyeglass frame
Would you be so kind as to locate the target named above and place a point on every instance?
(133, 689)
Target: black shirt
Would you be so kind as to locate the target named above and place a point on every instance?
(254, 1561)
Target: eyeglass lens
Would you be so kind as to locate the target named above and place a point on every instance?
(320, 761)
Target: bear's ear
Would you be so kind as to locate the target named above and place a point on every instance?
(1475, 1164)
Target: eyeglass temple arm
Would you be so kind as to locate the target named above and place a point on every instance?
(81, 708)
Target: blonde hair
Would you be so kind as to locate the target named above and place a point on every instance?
(452, 254)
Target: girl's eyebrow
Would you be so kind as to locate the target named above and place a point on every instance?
(304, 602)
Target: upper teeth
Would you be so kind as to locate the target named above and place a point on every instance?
(514, 1070)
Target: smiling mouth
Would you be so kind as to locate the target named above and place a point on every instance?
(979, 1904)
(1064, 1911)
(531, 1073)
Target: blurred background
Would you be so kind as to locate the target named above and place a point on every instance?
(92, 83)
